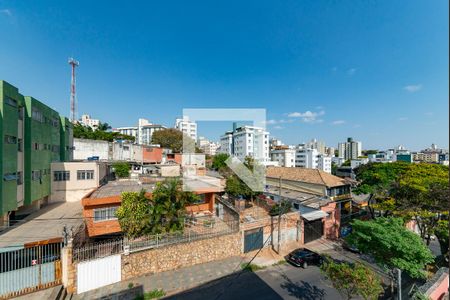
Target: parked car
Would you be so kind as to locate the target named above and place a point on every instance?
(352, 248)
(303, 257)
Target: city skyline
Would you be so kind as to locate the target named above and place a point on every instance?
(391, 90)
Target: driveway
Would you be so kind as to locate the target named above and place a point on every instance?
(275, 282)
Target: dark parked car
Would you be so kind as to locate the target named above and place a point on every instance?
(303, 257)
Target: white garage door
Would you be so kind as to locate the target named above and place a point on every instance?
(97, 273)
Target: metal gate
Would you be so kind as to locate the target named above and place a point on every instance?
(29, 269)
(253, 239)
(313, 230)
(98, 272)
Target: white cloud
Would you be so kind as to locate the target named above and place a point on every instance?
(307, 116)
(402, 119)
(338, 122)
(351, 71)
(271, 122)
(278, 127)
(6, 12)
(412, 88)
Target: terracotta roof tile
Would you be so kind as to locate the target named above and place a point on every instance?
(313, 176)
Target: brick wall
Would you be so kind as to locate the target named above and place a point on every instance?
(181, 255)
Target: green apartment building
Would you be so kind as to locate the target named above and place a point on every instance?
(32, 137)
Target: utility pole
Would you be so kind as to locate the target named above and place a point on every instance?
(73, 104)
(399, 283)
(279, 216)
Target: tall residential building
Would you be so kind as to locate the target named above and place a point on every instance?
(312, 159)
(143, 132)
(246, 141)
(315, 144)
(284, 156)
(186, 126)
(350, 149)
(32, 137)
(86, 120)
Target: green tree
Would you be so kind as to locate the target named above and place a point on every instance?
(122, 169)
(165, 212)
(391, 244)
(169, 138)
(235, 187)
(103, 126)
(86, 132)
(168, 206)
(134, 214)
(377, 179)
(352, 280)
(218, 162)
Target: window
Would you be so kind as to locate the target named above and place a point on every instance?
(10, 101)
(61, 175)
(37, 115)
(55, 122)
(19, 178)
(85, 174)
(9, 176)
(35, 146)
(9, 139)
(19, 145)
(36, 175)
(55, 148)
(20, 113)
(105, 213)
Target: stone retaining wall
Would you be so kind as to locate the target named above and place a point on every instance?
(180, 255)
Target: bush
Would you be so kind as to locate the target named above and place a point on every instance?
(122, 169)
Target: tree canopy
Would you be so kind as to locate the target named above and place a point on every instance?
(218, 161)
(122, 169)
(352, 280)
(391, 244)
(165, 212)
(235, 187)
(172, 138)
(85, 132)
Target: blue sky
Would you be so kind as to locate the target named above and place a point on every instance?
(374, 70)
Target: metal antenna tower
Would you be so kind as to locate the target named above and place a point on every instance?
(73, 104)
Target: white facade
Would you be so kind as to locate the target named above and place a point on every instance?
(324, 163)
(354, 163)
(337, 161)
(209, 148)
(88, 148)
(251, 141)
(87, 121)
(143, 132)
(186, 126)
(284, 157)
(226, 143)
(246, 141)
(350, 149)
(312, 159)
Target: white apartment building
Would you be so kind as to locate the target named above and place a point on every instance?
(284, 157)
(208, 147)
(86, 120)
(350, 149)
(226, 143)
(251, 141)
(143, 132)
(247, 141)
(354, 163)
(186, 126)
(312, 159)
(324, 163)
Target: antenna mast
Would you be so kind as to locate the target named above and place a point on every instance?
(73, 108)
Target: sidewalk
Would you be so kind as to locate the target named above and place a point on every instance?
(170, 282)
(268, 256)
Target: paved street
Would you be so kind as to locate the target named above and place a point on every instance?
(275, 282)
